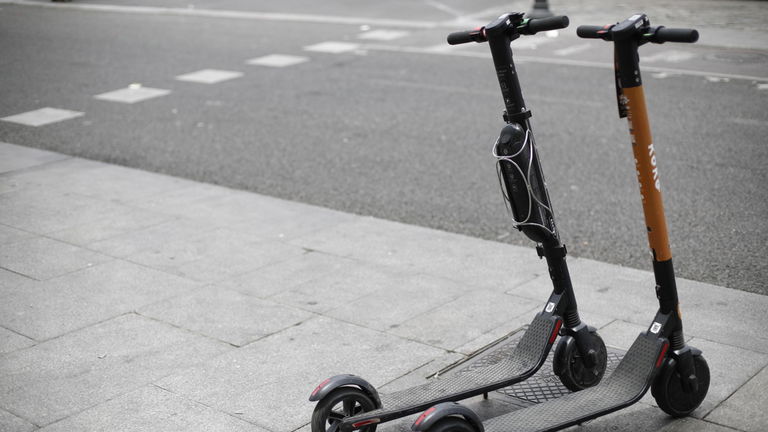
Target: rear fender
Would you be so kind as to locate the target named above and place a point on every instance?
(346, 380)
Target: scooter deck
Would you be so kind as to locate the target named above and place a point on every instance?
(528, 356)
(628, 383)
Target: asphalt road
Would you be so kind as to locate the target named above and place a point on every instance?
(402, 129)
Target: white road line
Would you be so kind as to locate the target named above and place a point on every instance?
(211, 13)
(557, 61)
(333, 47)
(277, 60)
(42, 116)
(762, 86)
(572, 49)
(134, 93)
(383, 35)
(209, 76)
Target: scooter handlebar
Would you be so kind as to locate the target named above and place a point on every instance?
(463, 37)
(544, 24)
(664, 34)
(591, 31)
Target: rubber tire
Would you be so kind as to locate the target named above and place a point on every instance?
(452, 424)
(325, 405)
(668, 391)
(568, 365)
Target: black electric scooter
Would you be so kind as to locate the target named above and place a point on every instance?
(348, 402)
(659, 359)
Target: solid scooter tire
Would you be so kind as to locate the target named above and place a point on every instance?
(452, 424)
(668, 390)
(352, 401)
(570, 368)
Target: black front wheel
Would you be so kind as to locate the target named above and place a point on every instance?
(574, 372)
(340, 403)
(452, 424)
(668, 390)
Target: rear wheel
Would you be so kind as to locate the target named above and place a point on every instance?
(668, 390)
(338, 404)
(452, 424)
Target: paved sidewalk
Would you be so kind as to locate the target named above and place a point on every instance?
(137, 301)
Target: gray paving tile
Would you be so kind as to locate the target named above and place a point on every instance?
(745, 409)
(117, 220)
(405, 298)
(269, 381)
(43, 210)
(14, 157)
(629, 293)
(460, 321)
(218, 205)
(463, 259)
(303, 220)
(43, 258)
(419, 375)
(11, 341)
(63, 376)
(691, 424)
(225, 315)
(343, 286)
(151, 409)
(283, 276)
(637, 417)
(12, 235)
(42, 310)
(11, 423)
(730, 368)
(151, 237)
(53, 175)
(215, 255)
(621, 334)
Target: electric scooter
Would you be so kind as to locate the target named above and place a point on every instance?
(348, 402)
(659, 359)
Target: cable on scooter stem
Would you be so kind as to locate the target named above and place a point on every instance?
(527, 27)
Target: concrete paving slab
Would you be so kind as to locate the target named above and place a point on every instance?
(691, 424)
(14, 158)
(729, 368)
(630, 292)
(49, 175)
(61, 377)
(745, 409)
(471, 261)
(152, 237)
(344, 286)
(621, 334)
(11, 341)
(43, 310)
(225, 315)
(269, 381)
(12, 235)
(11, 423)
(466, 318)
(43, 258)
(281, 277)
(117, 219)
(215, 255)
(151, 408)
(403, 299)
(301, 223)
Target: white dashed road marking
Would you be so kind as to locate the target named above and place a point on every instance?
(383, 35)
(209, 76)
(42, 116)
(277, 60)
(333, 47)
(134, 93)
(762, 86)
(671, 56)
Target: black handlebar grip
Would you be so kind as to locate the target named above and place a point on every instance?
(544, 24)
(589, 31)
(664, 34)
(461, 37)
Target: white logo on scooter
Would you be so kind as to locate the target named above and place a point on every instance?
(550, 307)
(655, 328)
